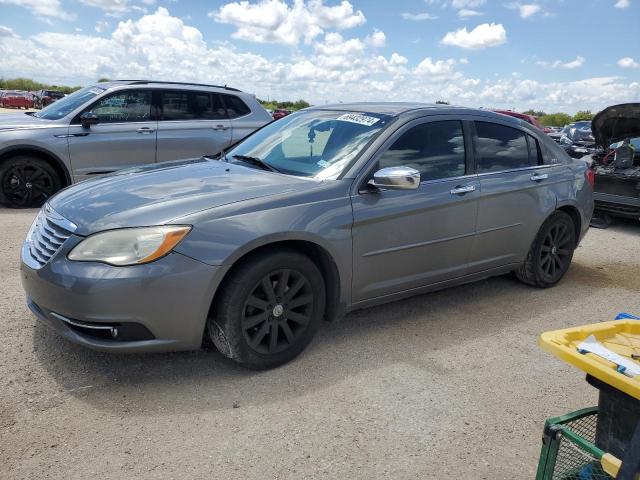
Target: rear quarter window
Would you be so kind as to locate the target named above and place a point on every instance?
(235, 106)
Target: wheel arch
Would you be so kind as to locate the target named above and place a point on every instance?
(574, 213)
(320, 255)
(46, 155)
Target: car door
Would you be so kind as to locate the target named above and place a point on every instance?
(517, 193)
(405, 239)
(124, 136)
(191, 124)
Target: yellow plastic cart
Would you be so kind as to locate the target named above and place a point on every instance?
(600, 442)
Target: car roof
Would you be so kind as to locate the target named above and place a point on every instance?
(162, 83)
(402, 108)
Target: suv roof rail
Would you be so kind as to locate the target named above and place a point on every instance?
(142, 82)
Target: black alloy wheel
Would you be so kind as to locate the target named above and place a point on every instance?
(27, 182)
(556, 252)
(268, 309)
(277, 311)
(551, 253)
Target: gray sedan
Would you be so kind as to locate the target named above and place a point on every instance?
(325, 211)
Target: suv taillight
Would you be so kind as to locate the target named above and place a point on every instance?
(591, 178)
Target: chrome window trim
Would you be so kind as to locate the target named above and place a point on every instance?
(521, 169)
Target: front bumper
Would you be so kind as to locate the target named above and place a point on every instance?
(168, 299)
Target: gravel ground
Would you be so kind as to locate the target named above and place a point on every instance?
(445, 385)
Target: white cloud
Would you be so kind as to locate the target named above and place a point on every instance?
(273, 21)
(101, 26)
(622, 4)
(42, 8)
(7, 32)
(483, 36)
(416, 17)
(376, 39)
(570, 65)
(111, 6)
(528, 10)
(333, 69)
(628, 62)
(464, 13)
(467, 3)
(437, 69)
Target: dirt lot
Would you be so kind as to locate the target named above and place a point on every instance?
(445, 385)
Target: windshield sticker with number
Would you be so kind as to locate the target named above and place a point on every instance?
(358, 118)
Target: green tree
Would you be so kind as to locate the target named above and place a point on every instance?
(583, 115)
(555, 119)
(442, 102)
(535, 113)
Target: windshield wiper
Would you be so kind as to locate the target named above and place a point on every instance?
(257, 162)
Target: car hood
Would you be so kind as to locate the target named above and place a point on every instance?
(163, 193)
(14, 121)
(616, 123)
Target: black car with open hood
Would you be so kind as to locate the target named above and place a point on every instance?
(616, 130)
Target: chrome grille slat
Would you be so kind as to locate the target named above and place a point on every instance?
(47, 236)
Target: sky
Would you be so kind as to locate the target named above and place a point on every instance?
(551, 55)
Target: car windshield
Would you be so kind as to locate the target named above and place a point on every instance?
(313, 143)
(66, 105)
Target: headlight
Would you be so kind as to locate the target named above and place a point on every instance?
(129, 246)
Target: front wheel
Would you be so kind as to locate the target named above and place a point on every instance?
(27, 182)
(268, 311)
(551, 253)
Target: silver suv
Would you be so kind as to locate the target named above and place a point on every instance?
(113, 125)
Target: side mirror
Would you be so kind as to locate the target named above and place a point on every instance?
(396, 178)
(89, 118)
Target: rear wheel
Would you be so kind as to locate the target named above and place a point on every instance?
(551, 253)
(268, 310)
(27, 182)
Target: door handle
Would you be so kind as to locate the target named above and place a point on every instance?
(221, 127)
(145, 130)
(462, 189)
(537, 177)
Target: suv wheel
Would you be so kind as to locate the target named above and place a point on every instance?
(27, 182)
(551, 253)
(269, 310)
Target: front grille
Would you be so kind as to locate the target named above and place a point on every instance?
(47, 235)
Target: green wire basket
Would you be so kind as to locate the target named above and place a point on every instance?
(569, 451)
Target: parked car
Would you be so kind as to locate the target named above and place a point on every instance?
(279, 113)
(17, 99)
(617, 177)
(47, 97)
(530, 119)
(327, 210)
(108, 126)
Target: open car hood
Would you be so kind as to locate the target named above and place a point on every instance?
(616, 123)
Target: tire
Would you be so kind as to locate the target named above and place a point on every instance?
(551, 253)
(27, 181)
(268, 310)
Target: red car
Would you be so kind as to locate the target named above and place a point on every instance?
(279, 113)
(47, 97)
(522, 116)
(17, 99)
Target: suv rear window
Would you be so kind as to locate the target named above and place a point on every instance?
(176, 105)
(500, 148)
(235, 106)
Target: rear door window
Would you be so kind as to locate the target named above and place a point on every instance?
(500, 148)
(177, 105)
